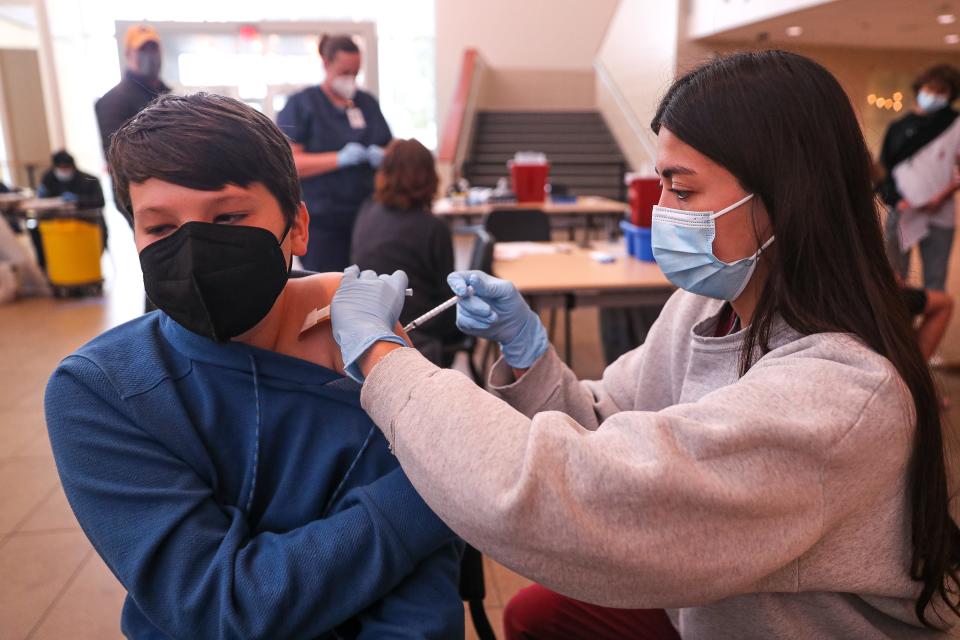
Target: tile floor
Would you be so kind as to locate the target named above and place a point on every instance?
(54, 585)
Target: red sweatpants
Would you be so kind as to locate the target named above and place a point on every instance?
(536, 613)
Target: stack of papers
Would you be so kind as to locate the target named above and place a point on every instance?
(516, 250)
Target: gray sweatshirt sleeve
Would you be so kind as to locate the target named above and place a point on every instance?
(549, 385)
(632, 382)
(677, 507)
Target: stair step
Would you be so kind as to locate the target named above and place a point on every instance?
(482, 180)
(548, 128)
(555, 158)
(558, 146)
(535, 117)
(535, 137)
(602, 191)
(609, 171)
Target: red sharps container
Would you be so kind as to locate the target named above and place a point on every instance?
(644, 193)
(529, 172)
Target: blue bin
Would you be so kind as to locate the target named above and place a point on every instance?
(638, 239)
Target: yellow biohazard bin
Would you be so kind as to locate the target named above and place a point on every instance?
(72, 247)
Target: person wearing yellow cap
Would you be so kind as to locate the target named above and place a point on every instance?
(140, 84)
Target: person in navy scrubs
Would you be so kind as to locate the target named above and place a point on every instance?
(337, 133)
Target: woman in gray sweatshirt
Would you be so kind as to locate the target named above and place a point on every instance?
(770, 463)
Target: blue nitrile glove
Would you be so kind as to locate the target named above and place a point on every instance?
(353, 153)
(365, 310)
(375, 156)
(69, 196)
(497, 311)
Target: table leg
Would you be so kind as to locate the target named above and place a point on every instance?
(587, 226)
(567, 331)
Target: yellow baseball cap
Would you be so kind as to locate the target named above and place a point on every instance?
(139, 35)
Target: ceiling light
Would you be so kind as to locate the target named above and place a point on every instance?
(881, 102)
(793, 32)
(871, 98)
(951, 38)
(897, 96)
(946, 18)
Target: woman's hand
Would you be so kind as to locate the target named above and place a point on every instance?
(351, 154)
(496, 311)
(364, 311)
(375, 155)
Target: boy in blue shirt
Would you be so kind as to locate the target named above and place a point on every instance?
(220, 464)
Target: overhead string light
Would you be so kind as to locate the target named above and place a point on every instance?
(895, 102)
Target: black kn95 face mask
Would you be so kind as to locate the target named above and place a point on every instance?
(215, 280)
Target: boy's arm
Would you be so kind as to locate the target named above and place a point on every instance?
(191, 564)
(426, 605)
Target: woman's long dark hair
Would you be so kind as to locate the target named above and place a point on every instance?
(783, 126)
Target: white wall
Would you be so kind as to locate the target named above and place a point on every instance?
(639, 55)
(16, 36)
(707, 17)
(22, 101)
(552, 35)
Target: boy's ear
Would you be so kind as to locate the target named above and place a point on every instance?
(300, 231)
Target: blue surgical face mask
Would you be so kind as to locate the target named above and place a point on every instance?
(683, 249)
(930, 102)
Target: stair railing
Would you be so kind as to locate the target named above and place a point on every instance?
(455, 138)
(639, 131)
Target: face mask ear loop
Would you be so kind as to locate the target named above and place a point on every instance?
(731, 207)
(283, 237)
(764, 246)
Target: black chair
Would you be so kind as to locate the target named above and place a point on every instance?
(473, 591)
(518, 225)
(481, 258)
(521, 225)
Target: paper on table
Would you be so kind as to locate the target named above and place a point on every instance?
(516, 250)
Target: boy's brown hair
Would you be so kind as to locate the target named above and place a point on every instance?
(204, 141)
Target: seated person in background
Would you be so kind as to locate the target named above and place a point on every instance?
(397, 230)
(220, 464)
(20, 274)
(13, 225)
(934, 309)
(64, 180)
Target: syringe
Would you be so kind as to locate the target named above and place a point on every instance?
(433, 313)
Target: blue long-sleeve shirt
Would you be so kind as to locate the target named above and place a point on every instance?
(242, 493)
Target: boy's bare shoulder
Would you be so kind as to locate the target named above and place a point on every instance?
(316, 289)
(304, 295)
